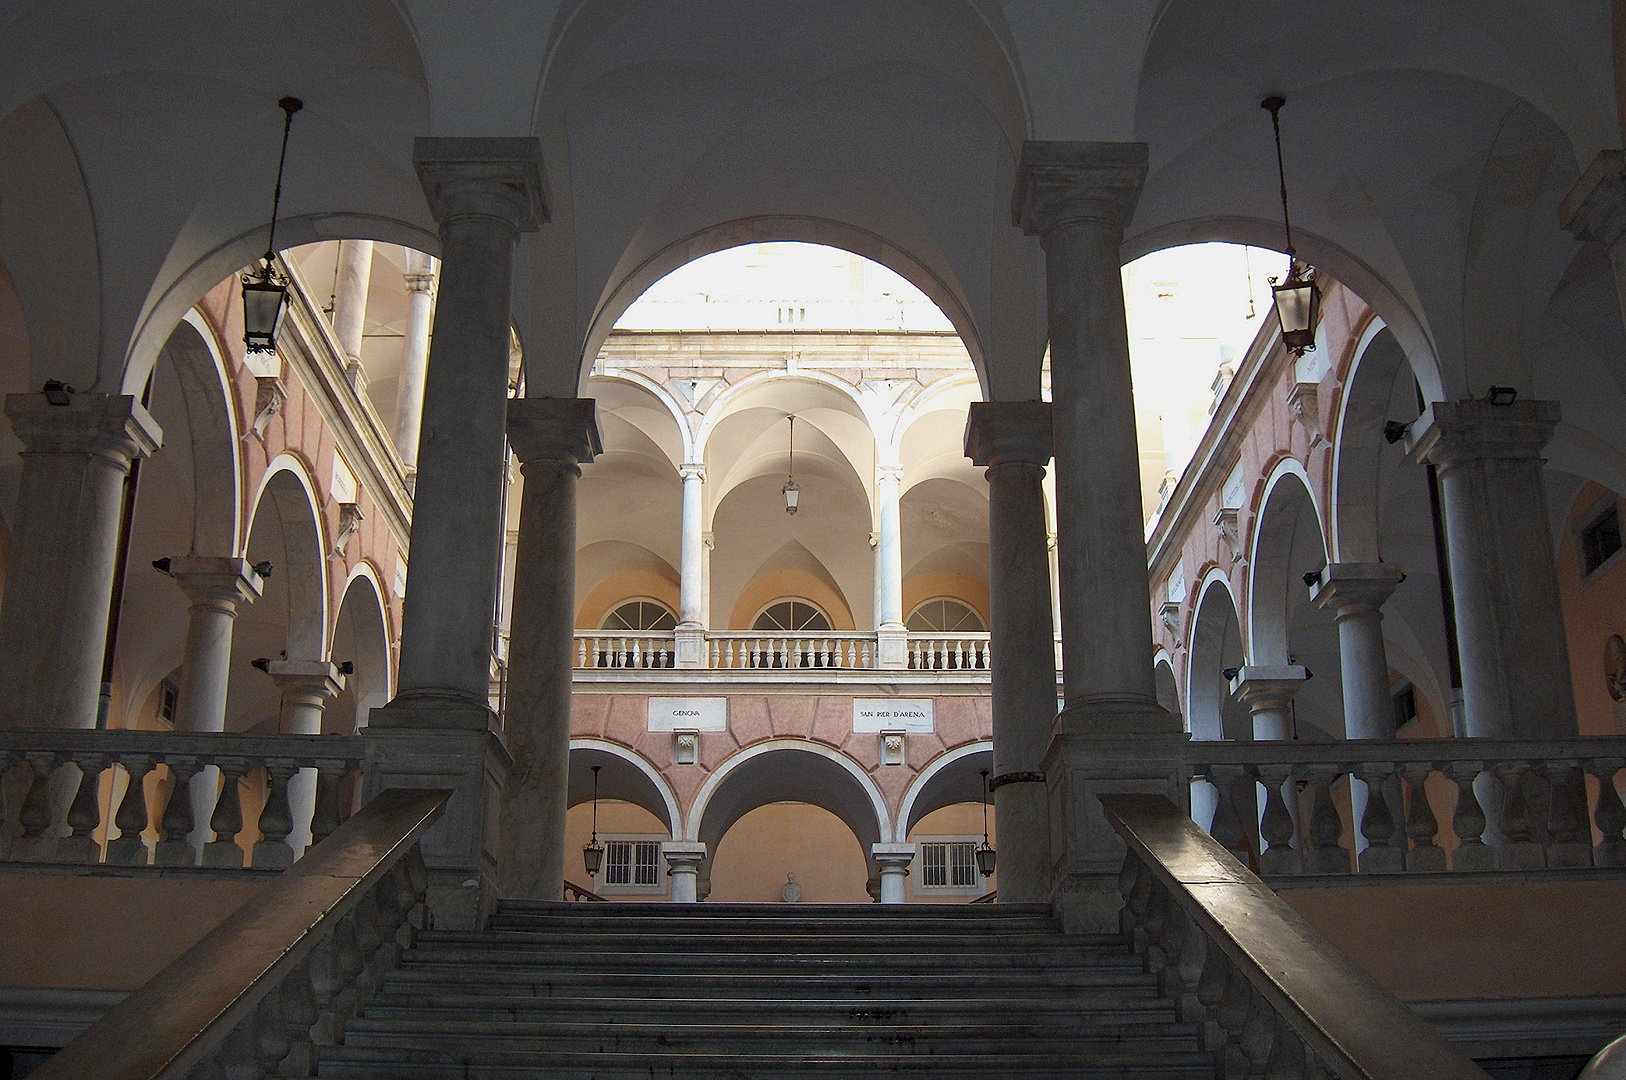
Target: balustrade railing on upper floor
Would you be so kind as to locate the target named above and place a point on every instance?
(133, 798)
(1425, 805)
(764, 650)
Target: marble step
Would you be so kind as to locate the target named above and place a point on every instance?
(768, 1038)
(981, 914)
(701, 939)
(391, 1063)
(768, 923)
(589, 955)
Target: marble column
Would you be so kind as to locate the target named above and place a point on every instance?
(891, 639)
(307, 686)
(1112, 734)
(1516, 677)
(1013, 439)
(217, 588)
(64, 544)
(893, 861)
(354, 275)
(1356, 593)
(1595, 210)
(683, 860)
(484, 192)
(420, 283)
(1267, 693)
(690, 636)
(551, 437)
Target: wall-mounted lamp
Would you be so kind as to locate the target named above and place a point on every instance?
(986, 857)
(261, 662)
(161, 565)
(1298, 301)
(347, 668)
(265, 292)
(1312, 579)
(1229, 673)
(1394, 431)
(790, 491)
(1502, 396)
(263, 568)
(593, 851)
(56, 392)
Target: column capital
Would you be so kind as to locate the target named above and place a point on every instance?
(554, 429)
(1006, 432)
(893, 858)
(1065, 183)
(316, 681)
(1453, 432)
(693, 470)
(224, 584)
(888, 473)
(420, 271)
(483, 177)
(113, 426)
(1268, 686)
(1595, 208)
(1349, 588)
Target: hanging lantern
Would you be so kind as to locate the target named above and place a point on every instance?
(1298, 301)
(265, 292)
(790, 491)
(987, 859)
(593, 851)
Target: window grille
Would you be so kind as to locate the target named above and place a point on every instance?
(948, 865)
(632, 862)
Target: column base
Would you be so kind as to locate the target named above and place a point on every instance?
(459, 850)
(1098, 747)
(428, 710)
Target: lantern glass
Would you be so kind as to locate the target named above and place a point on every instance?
(791, 493)
(263, 306)
(593, 857)
(1297, 305)
(986, 859)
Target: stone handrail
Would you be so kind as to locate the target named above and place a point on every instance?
(1272, 996)
(62, 812)
(281, 976)
(1513, 804)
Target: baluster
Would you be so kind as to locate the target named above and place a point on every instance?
(1257, 1039)
(1520, 849)
(1276, 824)
(1468, 820)
(1289, 1058)
(300, 1012)
(640, 657)
(36, 842)
(131, 817)
(1385, 843)
(227, 819)
(1327, 855)
(795, 646)
(581, 652)
(276, 819)
(1231, 1016)
(869, 654)
(1135, 885)
(173, 848)
(1227, 827)
(1570, 836)
(966, 651)
(1610, 816)
(1421, 824)
(348, 962)
(328, 813)
(84, 813)
(1211, 987)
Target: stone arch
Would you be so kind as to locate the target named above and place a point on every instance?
(1168, 685)
(788, 770)
(952, 777)
(360, 637)
(625, 775)
(690, 447)
(1215, 646)
(1375, 393)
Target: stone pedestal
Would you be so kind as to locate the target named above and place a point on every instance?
(683, 859)
(1267, 692)
(483, 192)
(420, 283)
(64, 544)
(1516, 676)
(459, 850)
(551, 437)
(1356, 593)
(1013, 440)
(217, 588)
(893, 862)
(1113, 735)
(307, 686)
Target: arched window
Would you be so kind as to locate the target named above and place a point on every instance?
(945, 616)
(792, 616)
(641, 615)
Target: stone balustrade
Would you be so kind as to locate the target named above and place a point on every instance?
(1271, 996)
(949, 652)
(1292, 808)
(625, 649)
(80, 796)
(756, 650)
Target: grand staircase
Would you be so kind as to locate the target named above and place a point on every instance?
(618, 991)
